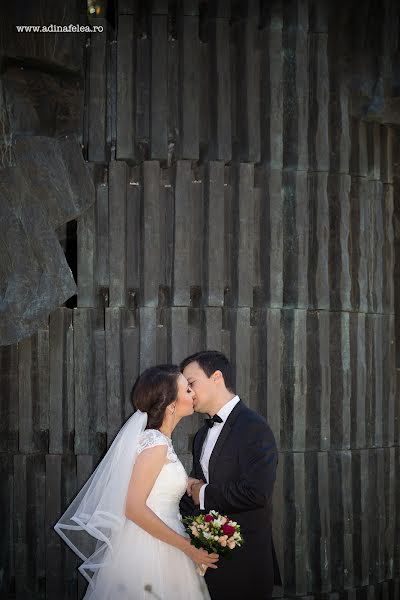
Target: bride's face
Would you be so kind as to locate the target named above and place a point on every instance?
(184, 399)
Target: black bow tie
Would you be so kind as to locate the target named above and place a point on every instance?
(214, 419)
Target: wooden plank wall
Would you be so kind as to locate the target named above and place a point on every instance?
(239, 207)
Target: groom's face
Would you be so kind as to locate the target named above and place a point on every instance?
(202, 386)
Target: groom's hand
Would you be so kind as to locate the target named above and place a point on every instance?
(190, 483)
(196, 491)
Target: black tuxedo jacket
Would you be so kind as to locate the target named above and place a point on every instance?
(242, 471)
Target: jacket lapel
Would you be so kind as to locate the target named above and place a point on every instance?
(226, 429)
(198, 445)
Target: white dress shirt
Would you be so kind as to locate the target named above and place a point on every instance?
(211, 440)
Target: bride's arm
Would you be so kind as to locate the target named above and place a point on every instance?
(144, 474)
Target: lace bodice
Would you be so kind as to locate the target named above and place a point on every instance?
(170, 484)
(154, 437)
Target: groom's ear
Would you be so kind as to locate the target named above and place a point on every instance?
(217, 377)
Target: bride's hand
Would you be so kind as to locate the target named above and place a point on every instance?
(190, 483)
(202, 557)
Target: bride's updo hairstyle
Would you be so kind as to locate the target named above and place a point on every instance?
(154, 390)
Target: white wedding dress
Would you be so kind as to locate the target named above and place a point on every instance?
(142, 567)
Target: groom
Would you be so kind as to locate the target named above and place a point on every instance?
(234, 461)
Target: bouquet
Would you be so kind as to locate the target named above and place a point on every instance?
(214, 533)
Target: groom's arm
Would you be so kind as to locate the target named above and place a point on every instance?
(253, 489)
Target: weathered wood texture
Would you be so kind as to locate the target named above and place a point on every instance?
(243, 203)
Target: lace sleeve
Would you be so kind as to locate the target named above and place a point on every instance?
(150, 438)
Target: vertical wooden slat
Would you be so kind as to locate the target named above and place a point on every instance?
(319, 97)
(102, 237)
(387, 136)
(324, 520)
(83, 322)
(336, 522)
(7, 509)
(287, 324)
(295, 85)
(318, 267)
(9, 407)
(373, 529)
(381, 515)
(370, 380)
(388, 249)
(219, 84)
(60, 434)
(357, 262)
(100, 387)
(213, 328)
(180, 349)
(167, 202)
(314, 401)
(130, 349)
(278, 521)
(390, 525)
(97, 84)
(346, 471)
(133, 239)
(148, 338)
(85, 465)
(163, 335)
(378, 241)
(271, 107)
(53, 513)
(196, 238)
(271, 237)
(242, 353)
(357, 341)
(324, 359)
(151, 233)
(295, 239)
(374, 150)
(213, 269)
(339, 127)
(114, 372)
(142, 92)
(247, 103)
(346, 378)
(270, 404)
(301, 524)
(378, 391)
(126, 59)
(339, 222)
(244, 233)
(117, 233)
(390, 378)
(22, 583)
(26, 437)
(364, 516)
(86, 250)
(335, 359)
(189, 62)
(359, 148)
(159, 91)
(300, 381)
(42, 341)
(182, 274)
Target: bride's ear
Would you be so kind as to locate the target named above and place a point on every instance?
(172, 408)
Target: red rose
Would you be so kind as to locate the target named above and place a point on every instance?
(208, 518)
(228, 529)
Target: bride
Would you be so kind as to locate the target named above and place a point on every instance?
(124, 524)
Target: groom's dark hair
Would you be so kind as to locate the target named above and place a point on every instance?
(210, 361)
